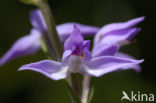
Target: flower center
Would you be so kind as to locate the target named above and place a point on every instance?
(75, 63)
(81, 56)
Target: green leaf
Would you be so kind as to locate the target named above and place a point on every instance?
(34, 2)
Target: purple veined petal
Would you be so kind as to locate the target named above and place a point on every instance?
(102, 65)
(118, 37)
(26, 45)
(37, 20)
(133, 66)
(74, 37)
(64, 30)
(116, 27)
(52, 69)
(102, 49)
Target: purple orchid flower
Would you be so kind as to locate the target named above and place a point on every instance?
(78, 59)
(120, 33)
(30, 44)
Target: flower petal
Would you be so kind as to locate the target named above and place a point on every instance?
(26, 45)
(133, 66)
(64, 30)
(119, 36)
(52, 69)
(37, 20)
(74, 37)
(116, 27)
(66, 54)
(86, 44)
(102, 49)
(102, 65)
(87, 55)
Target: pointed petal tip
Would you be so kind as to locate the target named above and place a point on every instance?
(142, 18)
(133, 32)
(21, 68)
(34, 11)
(75, 37)
(76, 30)
(137, 61)
(25, 45)
(37, 20)
(137, 20)
(142, 60)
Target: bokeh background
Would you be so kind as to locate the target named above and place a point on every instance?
(32, 87)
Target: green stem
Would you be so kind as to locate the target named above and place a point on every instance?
(44, 48)
(85, 89)
(72, 94)
(75, 84)
(55, 44)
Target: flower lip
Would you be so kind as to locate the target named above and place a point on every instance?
(78, 49)
(75, 64)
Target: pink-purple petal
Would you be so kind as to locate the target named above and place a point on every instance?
(119, 36)
(86, 44)
(37, 20)
(102, 65)
(107, 29)
(120, 26)
(52, 69)
(102, 49)
(64, 30)
(65, 56)
(75, 37)
(26, 45)
(133, 66)
(87, 55)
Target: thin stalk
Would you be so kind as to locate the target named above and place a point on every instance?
(44, 48)
(55, 44)
(75, 84)
(85, 89)
(72, 94)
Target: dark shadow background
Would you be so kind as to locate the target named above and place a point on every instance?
(32, 87)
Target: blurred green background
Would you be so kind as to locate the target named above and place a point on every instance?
(32, 87)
